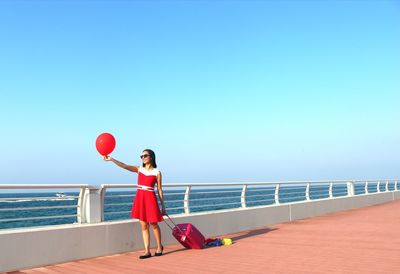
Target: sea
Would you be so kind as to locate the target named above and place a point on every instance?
(117, 204)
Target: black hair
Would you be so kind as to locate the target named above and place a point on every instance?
(152, 156)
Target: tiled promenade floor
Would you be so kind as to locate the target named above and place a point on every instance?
(365, 240)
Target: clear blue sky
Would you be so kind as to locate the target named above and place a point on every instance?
(222, 91)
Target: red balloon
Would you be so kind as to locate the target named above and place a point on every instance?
(105, 143)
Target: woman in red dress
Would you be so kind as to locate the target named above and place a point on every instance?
(145, 206)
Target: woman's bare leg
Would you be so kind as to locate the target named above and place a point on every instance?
(146, 236)
(157, 233)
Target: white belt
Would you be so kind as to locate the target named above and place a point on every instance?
(148, 188)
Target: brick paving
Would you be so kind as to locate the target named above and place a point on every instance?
(362, 240)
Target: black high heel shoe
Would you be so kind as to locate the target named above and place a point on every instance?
(159, 254)
(145, 256)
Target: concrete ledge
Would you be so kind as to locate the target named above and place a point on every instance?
(303, 210)
(33, 247)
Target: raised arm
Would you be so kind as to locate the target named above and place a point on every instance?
(120, 164)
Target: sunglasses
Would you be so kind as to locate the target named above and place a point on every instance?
(144, 156)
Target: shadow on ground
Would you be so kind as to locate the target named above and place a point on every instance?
(252, 233)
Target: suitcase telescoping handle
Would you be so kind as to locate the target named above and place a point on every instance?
(172, 223)
(183, 236)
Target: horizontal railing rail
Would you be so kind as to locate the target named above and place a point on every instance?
(26, 206)
(42, 186)
(113, 201)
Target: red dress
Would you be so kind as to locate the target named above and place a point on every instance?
(145, 206)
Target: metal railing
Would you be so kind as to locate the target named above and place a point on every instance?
(22, 210)
(102, 203)
(205, 197)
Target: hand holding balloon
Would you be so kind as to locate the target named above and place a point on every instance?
(107, 158)
(105, 144)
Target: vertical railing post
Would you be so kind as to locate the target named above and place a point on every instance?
(277, 194)
(366, 188)
(243, 196)
(308, 192)
(350, 188)
(387, 186)
(330, 190)
(186, 200)
(80, 208)
(102, 197)
(91, 205)
(378, 186)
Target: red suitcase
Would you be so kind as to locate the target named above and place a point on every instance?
(187, 234)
